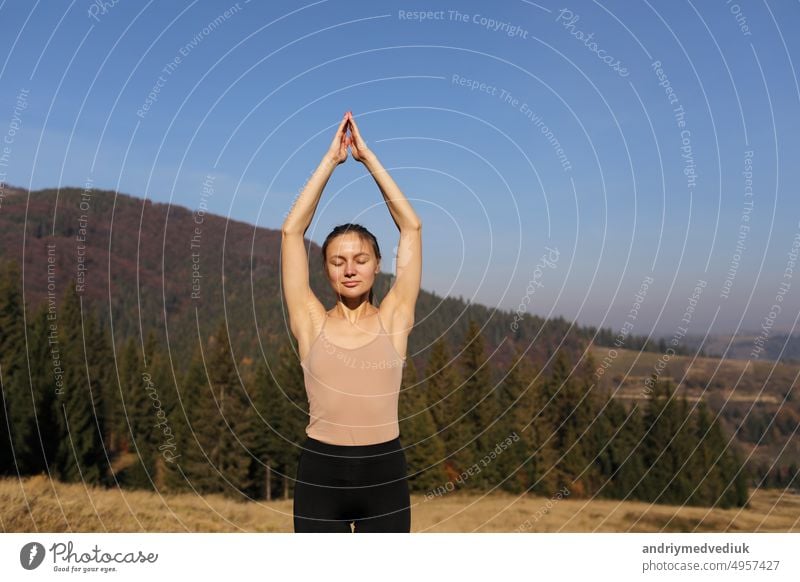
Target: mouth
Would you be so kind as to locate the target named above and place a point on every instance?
(351, 283)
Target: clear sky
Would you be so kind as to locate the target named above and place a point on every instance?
(625, 143)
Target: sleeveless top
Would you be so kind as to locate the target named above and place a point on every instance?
(353, 392)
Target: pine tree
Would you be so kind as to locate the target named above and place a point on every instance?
(200, 433)
(139, 418)
(480, 411)
(567, 417)
(16, 405)
(424, 449)
(233, 453)
(268, 445)
(544, 435)
(80, 456)
(519, 464)
(666, 447)
(717, 470)
(43, 380)
(279, 397)
(160, 386)
(294, 404)
(620, 462)
(445, 399)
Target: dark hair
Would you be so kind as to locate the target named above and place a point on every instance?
(361, 231)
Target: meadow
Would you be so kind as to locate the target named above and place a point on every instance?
(39, 504)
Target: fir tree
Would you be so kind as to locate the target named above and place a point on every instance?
(161, 389)
(139, 418)
(666, 446)
(281, 421)
(424, 449)
(480, 411)
(16, 408)
(445, 399)
(200, 433)
(233, 453)
(717, 470)
(293, 403)
(43, 385)
(80, 455)
(567, 417)
(620, 462)
(520, 464)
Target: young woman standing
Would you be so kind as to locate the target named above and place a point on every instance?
(352, 468)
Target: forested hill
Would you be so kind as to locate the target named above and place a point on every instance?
(150, 266)
(122, 372)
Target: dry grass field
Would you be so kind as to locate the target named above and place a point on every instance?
(38, 504)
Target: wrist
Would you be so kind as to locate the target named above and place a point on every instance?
(369, 160)
(328, 161)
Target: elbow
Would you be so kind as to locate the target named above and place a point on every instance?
(416, 225)
(287, 230)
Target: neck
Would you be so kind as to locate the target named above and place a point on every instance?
(354, 312)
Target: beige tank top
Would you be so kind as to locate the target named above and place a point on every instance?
(353, 392)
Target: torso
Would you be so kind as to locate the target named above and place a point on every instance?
(351, 336)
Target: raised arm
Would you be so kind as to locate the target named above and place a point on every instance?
(402, 297)
(301, 303)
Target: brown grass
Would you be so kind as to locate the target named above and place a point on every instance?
(37, 504)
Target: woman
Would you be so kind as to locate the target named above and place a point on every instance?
(352, 467)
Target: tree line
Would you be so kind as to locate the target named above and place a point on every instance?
(85, 408)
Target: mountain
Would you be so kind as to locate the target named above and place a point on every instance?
(153, 266)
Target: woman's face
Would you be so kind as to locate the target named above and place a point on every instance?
(351, 265)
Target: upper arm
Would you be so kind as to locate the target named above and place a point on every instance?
(301, 303)
(402, 297)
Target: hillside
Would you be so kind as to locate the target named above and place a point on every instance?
(190, 317)
(58, 507)
(155, 266)
(757, 402)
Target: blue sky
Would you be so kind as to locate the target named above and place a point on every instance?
(513, 127)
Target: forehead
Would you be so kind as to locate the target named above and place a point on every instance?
(349, 244)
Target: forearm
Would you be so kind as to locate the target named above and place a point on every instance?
(399, 206)
(302, 212)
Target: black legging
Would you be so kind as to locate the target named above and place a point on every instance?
(364, 484)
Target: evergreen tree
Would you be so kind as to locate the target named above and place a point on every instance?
(43, 385)
(717, 471)
(424, 449)
(521, 463)
(480, 410)
(281, 420)
(445, 399)
(666, 447)
(543, 434)
(139, 418)
(200, 433)
(233, 453)
(567, 417)
(159, 384)
(620, 462)
(80, 455)
(293, 403)
(16, 405)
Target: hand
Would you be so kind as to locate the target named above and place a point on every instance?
(358, 147)
(338, 150)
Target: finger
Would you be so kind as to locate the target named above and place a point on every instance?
(343, 124)
(354, 129)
